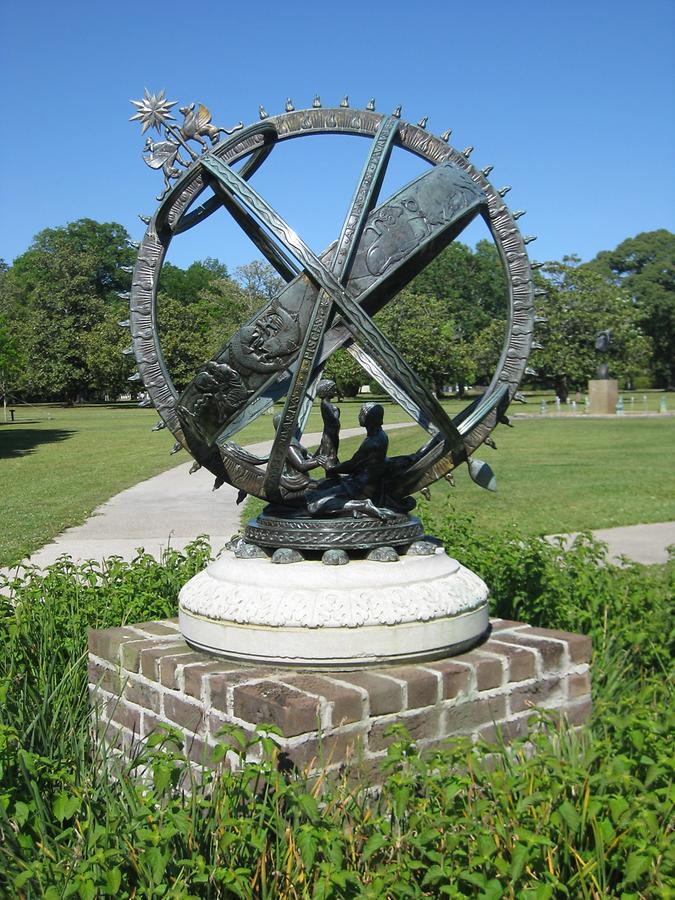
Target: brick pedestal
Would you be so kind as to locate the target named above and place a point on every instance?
(145, 676)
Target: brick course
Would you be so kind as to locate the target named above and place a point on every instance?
(145, 676)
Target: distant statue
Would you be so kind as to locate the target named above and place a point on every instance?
(330, 439)
(602, 343)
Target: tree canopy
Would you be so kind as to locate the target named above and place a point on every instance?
(60, 308)
(645, 267)
(579, 305)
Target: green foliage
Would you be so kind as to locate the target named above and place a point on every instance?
(581, 816)
(185, 285)
(471, 285)
(456, 336)
(645, 267)
(418, 326)
(535, 581)
(59, 306)
(259, 281)
(346, 373)
(195, 328)
(59, 297)
(10, 358)
(580, 304)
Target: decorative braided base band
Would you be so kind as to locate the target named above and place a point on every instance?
(363, 533)
(419, 607)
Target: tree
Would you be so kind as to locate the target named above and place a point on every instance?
(187, 284)
(59, 291)
(645, 267)
(580, 304)
(194, 330)
(259, 281)
(471, 284)
(486, 348)
(419, 327)
(346, 373)
(10, 362)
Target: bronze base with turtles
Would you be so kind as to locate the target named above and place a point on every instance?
(302, 532)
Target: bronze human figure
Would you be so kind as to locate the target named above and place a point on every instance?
(330, 414)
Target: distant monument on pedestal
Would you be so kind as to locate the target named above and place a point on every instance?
(603, 391)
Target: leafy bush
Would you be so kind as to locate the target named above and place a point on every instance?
(623, 608)
(582, 816)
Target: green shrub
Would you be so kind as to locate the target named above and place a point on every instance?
(582, 816)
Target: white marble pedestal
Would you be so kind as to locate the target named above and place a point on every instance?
(312, 615)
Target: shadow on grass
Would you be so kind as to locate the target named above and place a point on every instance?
(22, 441)
(19, 423)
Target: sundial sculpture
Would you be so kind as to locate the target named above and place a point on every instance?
(319, 503)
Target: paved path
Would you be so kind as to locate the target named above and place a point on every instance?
(642, 543)
(170, 509)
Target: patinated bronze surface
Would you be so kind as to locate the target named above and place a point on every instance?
(327, 303)
(603, 341)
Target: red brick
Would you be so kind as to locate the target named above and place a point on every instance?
(424, 725)
(188, 715)
(489, 671)
(541, 693)
(220, 683)
(149, 723)
(268, 702)
(471, 714)
(347, 702)
(579, 645)
(104, 677)
(168, 665)
(105, 642)
(509, 730)
(114, 737)
(578, 685)
(521, 663)
(422, 685)
(384, 694)
(197, 672)
(130, 651)
(456, 677)
(504, 624)
(159, 628)
(142, 694)
(552, 652)
(337, 747)
(151, 659)
(580, 712)
(122, 713)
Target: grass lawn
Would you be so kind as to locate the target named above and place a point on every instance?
(57, 465)
(565, 474)
(554, 473)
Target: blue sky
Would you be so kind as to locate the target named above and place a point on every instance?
(573, 103)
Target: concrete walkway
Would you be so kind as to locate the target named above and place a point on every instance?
(642, 543)
(174, 508)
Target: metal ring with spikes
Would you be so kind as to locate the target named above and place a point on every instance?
(187, 203)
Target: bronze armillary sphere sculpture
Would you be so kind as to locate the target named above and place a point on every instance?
(328, 301)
